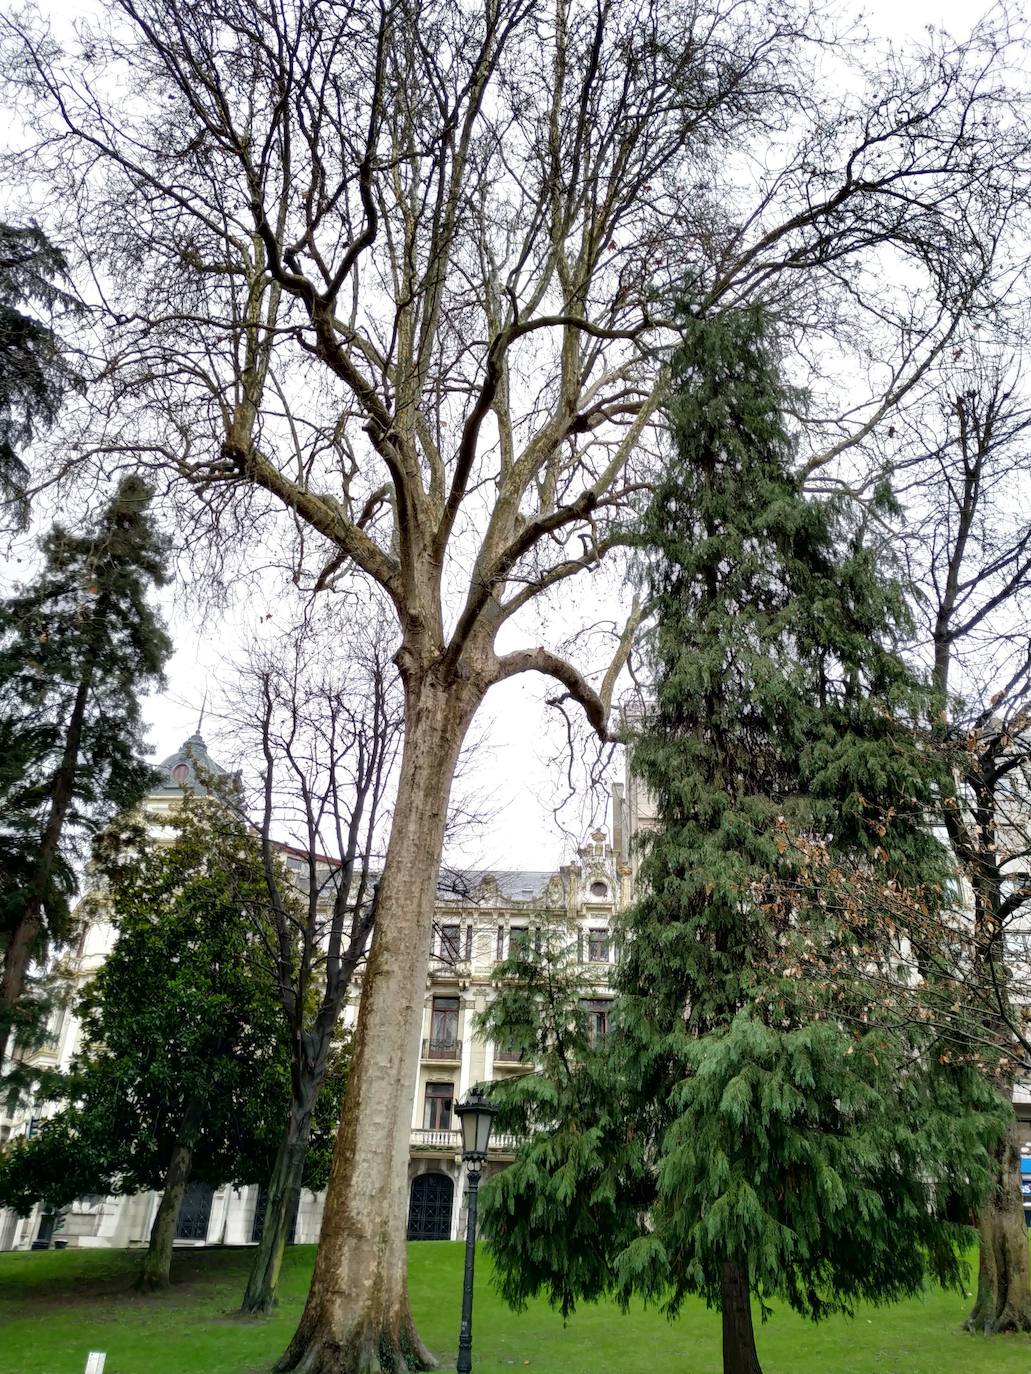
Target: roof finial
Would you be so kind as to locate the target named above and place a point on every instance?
(203, 708)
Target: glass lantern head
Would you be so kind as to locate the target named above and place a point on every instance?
(476, 1114)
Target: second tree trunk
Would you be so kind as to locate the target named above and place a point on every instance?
(1003, 1289)
(284, 1190)
(155, 1271)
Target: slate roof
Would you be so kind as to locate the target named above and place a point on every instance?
(179, 770)
(511, 885)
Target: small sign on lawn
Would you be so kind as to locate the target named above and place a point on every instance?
(95, 1362)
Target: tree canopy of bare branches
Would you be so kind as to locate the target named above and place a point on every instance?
(323, 739)
(404, 274)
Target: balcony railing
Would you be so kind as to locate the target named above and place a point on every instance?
(436, 1140)
(450, 1050)
(510, 1056)
(452, 1141)
(504, 1144)
(445, 962)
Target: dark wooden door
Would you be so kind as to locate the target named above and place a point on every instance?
(429, 1215)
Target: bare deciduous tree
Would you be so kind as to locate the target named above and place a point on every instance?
(973, 558)
(405, 272)
(325, 736)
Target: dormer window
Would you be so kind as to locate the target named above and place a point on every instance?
(181, 774)
(599, 889)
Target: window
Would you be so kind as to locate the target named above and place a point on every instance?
(597, 1013)
(451, 943)
(300, 873)
(510, 1054)
(33, 1127)
(181, 773)
(194, 1212)
(598, 945)
(519, 943)
(599, 889)
(440, 1099)
(444, 1024)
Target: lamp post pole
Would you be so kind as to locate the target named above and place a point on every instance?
(465, 1334)
(475, 1115)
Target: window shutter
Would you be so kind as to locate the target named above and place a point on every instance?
(469, 941)
(579, 946)
(501, 943)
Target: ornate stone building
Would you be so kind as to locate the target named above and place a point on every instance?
(480, 918)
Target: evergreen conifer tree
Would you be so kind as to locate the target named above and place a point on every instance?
(78, 646)
(34, 371)
(750, 1132)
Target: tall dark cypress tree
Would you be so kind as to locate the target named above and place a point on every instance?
(754, 1132)
(35, 372)
(77, 648)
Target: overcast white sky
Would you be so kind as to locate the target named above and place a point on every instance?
(515, 745)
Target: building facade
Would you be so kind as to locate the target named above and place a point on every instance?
(481, 917)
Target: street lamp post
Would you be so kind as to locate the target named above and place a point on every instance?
(476, 1115)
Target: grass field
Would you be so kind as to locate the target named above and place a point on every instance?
(57, 1306)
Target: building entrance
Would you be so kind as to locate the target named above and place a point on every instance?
(429, 1214)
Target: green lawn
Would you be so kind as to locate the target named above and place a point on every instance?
(57, 1306)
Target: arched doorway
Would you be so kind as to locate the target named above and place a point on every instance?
(429, 1213)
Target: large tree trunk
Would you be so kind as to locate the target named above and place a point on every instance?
(739, 1353)
(18, 953)
(357, 1319)
(284, 1189)
(17, 957)
(157, 1263)
(1003, 1291)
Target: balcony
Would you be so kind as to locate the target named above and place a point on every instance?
(442, 1051)
(512, 1059)
(450, 1142)
(445, 969)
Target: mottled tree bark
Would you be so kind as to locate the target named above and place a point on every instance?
(1003, 1300)
(739, 1353)
(155, 1271)
(357, 1319)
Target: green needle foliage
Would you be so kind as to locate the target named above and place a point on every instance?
(79, 645)
(34, 371)
(765, 1121)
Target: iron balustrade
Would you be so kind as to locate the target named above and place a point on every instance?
(424, 1138)
(442, 1049)
(511, 1056)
